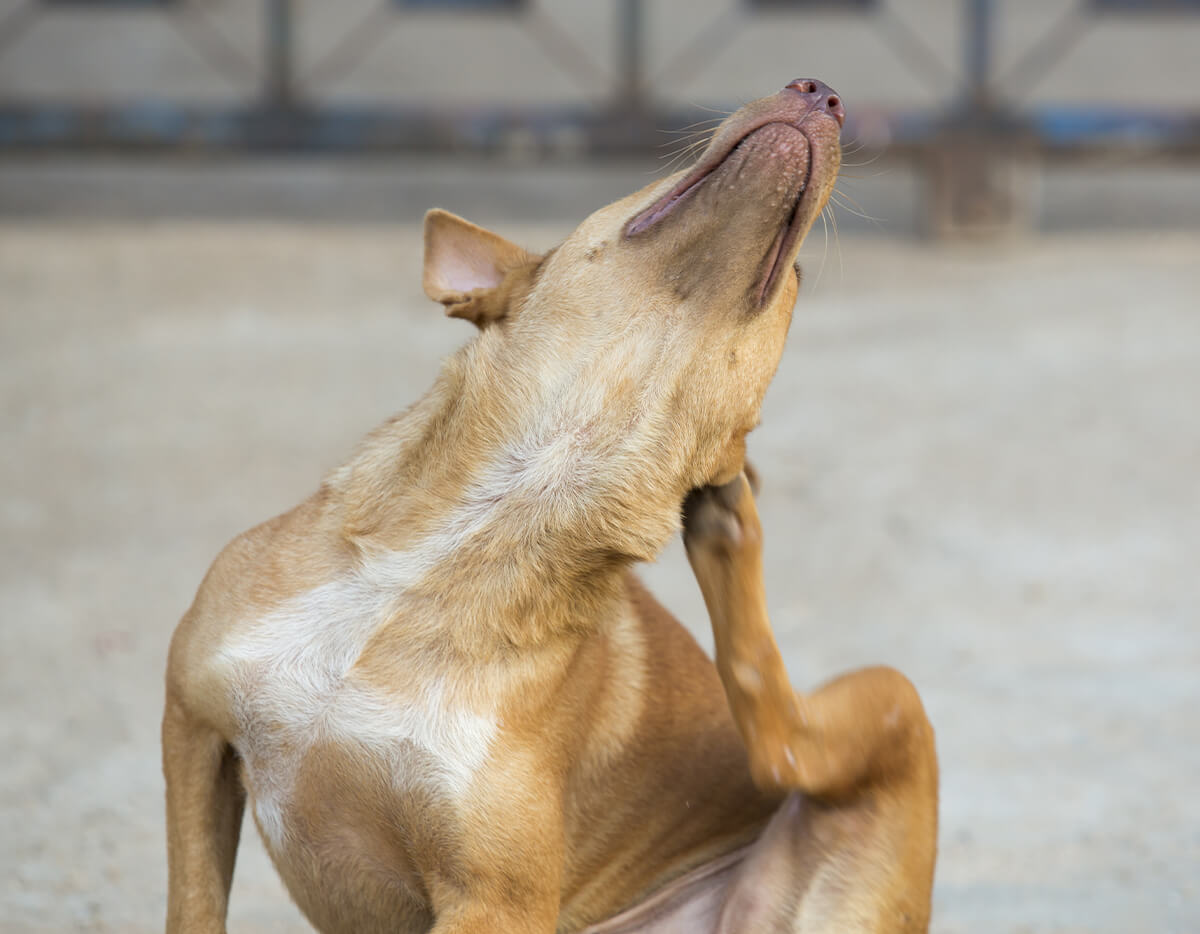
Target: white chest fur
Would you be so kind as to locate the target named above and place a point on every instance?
(293, 687)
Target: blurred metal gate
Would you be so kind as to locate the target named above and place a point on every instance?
(966, 146)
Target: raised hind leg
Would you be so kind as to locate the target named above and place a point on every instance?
(853, 849)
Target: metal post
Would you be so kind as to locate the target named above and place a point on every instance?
(278, 89)
(980, 23)
(629, 44)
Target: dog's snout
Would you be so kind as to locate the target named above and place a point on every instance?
(820, 96)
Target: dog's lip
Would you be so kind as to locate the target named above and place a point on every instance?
(785, 240)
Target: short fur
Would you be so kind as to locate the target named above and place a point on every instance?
(449, 702)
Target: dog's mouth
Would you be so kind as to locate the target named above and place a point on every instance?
(795, 162)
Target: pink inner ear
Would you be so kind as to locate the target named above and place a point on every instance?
(463, 266)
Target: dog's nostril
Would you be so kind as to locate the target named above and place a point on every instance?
(819, 97)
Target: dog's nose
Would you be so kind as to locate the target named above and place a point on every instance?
(820, 96)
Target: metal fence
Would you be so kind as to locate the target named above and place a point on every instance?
(966, 144)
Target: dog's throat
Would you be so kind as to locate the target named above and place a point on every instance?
(521, 537)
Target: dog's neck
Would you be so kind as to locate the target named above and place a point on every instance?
(517, 521)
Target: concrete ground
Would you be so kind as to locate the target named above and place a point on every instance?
(981, 466)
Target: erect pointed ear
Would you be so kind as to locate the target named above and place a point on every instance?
(464, 264)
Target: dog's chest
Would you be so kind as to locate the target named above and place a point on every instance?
(296, 695)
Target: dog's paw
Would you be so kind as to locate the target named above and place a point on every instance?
(722, 517)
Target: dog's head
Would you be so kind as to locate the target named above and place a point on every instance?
(654, 328)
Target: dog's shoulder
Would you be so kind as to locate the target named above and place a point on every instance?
(254, 577)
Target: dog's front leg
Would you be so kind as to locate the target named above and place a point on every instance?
(860, 745)
(505, 873)
(492, 918)
(493, 904)
(205, 801)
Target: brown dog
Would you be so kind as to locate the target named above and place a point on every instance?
(451, 705)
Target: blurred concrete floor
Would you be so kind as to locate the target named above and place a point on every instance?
(980, 466)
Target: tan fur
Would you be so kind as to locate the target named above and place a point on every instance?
(447, 701)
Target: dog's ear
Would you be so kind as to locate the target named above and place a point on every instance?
(465, 266)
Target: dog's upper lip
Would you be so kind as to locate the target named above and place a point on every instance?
(723, 145)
